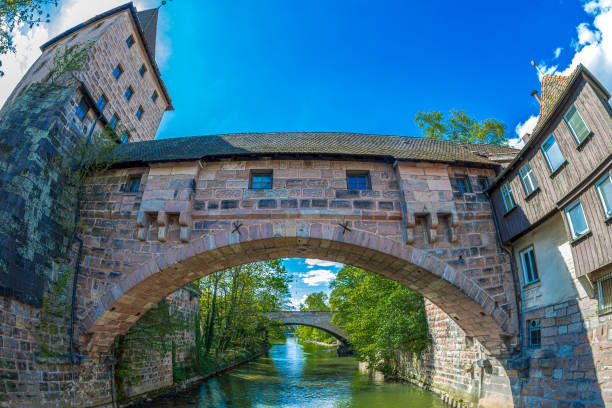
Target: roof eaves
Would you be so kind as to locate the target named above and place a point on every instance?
(546, 121)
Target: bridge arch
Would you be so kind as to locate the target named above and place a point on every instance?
(474, 310)
(318, 319)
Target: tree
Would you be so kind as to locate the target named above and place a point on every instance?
(461, 127)
(316, 301)
(14, 13)
(380, 316)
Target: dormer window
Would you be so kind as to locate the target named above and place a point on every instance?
(117, 71)
(130, 41)
(576, 124)
(128, 93)
(142, 70)
(154, 96)
(139, 112)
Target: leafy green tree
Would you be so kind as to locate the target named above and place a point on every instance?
(316, 301)
(461, 127)
(381, 316)
(14, 13)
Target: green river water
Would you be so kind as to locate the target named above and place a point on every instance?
(300, 375)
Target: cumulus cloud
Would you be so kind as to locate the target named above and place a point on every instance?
(522, 129)
(322, 264)
(318, 277)
(295, 302)
(70, 13)
(557, 52)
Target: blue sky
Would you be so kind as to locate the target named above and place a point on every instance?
(309, 275)
(349, 65)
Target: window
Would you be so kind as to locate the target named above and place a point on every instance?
(553, 154)
(604, 189)
(604, 293)
(154, 96)
(130, 41)
(133, 184)
(575, 218)
(528, 179)
(463, 185)
(358, 180)
(506, 192)
(261, 179)
(139, 112)
(81, 109)
(484, 183)
(117, 71)
(535, 336)
(114, 120)
(142, 70)
(128, 93)
(576, 124)
(125, 137)
(530, 269)
(101, 102)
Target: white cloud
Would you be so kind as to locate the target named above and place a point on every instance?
(323, 264)
(70, 13)
(318, 277)
(557, 52)
(525, 127)
(295, 302)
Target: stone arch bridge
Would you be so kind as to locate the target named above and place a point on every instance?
(171, 211)
(319, 319)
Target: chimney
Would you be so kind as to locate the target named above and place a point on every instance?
(526, 136)
(534, 93)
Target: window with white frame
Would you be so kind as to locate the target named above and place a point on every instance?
(552, 153)
(604, 190)
(530, 269)
(506, 192)
(528, 179)
(576, 220)
(604, 293)
(576, 124)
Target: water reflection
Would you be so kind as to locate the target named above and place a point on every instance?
(294, 375)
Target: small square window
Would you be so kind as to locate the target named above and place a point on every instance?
(535, 335)
(128, 93)
(117, 71)
(463, 184)
(154, 96)
(133, 183)
(101, 102)
(125, 137)
(130, 41)
(528, 179)
(261, 179)
(576, 124)
(604, 294)
(139, 112)
(81, 109)
(358, 180)
(113, 121)
(142, 70)
(530, 269)
(576, 220)
(604, 190)
(552, 153)
(506, 192)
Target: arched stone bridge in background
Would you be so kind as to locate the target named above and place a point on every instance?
(319, 319)
(171, 211)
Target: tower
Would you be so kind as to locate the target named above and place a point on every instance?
(120, 83)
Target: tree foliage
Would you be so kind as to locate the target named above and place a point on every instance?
(15, 13)
(461, 127)
(381, 316)
(316, 301)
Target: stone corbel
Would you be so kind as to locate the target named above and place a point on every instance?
(141, 222)
(162, 226)
(410, 226)
(184, 223)
(453, 222)
(433, 227)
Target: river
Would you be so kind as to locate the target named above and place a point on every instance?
(300, 375)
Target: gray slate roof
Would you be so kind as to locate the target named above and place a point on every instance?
(350, 144)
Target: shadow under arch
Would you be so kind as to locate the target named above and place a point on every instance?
(472, 308)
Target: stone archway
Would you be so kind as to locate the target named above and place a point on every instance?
(451, 289)
(318, 319)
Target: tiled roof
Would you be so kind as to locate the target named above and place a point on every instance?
(352, 144)
(553, 87)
